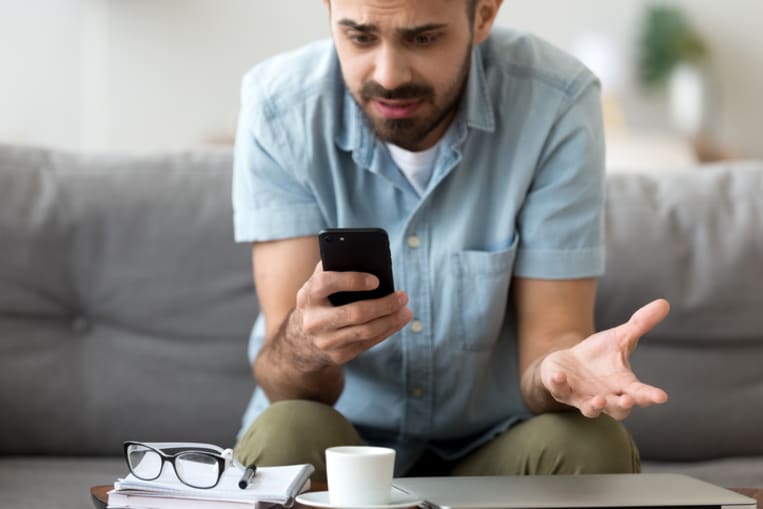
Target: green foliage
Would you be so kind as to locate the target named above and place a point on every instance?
(667, 39)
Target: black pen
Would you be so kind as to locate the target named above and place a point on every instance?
(247, 477)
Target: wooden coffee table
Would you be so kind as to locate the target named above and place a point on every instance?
(755, 493)
(100, 493)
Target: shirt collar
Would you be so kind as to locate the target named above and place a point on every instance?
(354, 135)
(479, 108)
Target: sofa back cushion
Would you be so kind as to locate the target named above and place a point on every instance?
(125, 305)
(695, 238)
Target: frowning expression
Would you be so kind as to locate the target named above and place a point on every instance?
(405, 63)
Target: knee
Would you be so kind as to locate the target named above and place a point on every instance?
(575, 444)
(293, 432)
(299, 418)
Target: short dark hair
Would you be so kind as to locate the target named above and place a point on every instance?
(471, 9)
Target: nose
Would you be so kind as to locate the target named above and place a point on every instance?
(391, 68)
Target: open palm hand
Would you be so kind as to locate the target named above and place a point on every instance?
(595, 375)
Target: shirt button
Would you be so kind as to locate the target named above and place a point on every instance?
(417, 392)
(417, 326)
(414, 241)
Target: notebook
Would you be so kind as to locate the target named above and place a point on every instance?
(573, 491)
(270, 485)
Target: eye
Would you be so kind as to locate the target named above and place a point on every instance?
(361, 38)
(424, 39)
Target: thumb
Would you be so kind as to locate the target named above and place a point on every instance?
(645, 319)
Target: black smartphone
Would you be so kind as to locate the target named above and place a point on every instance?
(357, 250)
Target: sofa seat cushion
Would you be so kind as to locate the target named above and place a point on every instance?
(745, 472)
(54, 482)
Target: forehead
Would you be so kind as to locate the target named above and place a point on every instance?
(398, 13)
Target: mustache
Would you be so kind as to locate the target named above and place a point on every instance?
(372, 89)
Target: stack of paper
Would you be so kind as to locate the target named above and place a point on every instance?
(269, 486)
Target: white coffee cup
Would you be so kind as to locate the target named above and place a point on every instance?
(359, 475)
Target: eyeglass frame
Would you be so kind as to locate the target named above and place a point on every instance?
(222, 461)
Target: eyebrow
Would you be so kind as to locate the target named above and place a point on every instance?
(357, 26)
(412, 32)
(405, 32)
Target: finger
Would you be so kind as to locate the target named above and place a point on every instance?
(349, 351)
(314, 288)
(646, 395)
(304, 295)
(367, 310)
(374, 330)
(617, 414)
(559, 387)
(324, 319)
(322, 284)
(626, 401)
(592, 407)
(619, 407)
(367, 345)
(644, 320)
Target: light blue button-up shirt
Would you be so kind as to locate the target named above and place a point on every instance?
(517, 190)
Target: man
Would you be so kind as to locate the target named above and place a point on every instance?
(480, 151)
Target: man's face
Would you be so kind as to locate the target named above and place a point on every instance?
(405, 63)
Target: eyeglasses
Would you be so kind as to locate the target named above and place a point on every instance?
(196, 465)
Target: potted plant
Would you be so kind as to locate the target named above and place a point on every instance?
(674, 56)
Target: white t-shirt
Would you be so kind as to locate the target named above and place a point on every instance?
(416, 166)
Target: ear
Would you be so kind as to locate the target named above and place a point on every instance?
(484, 16)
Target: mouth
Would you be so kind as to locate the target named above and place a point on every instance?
(396, 109)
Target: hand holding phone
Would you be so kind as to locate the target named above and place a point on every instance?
(339, 314)
(308, 338)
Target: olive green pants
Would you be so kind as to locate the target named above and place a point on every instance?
(291, 432)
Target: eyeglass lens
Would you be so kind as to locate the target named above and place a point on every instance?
(144, 463)
(196, 469)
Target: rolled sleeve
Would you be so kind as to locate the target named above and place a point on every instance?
(561, 264)
(276, 223)
(561, 224)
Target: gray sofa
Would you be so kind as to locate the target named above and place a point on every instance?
(125, 309)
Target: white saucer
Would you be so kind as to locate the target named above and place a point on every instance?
(397, 500)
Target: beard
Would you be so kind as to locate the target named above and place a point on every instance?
(408, 132)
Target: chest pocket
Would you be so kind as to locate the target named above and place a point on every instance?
(483, 292)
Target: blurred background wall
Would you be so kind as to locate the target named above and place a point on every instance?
(147, 75)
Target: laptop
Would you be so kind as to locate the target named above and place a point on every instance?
(648, 491)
